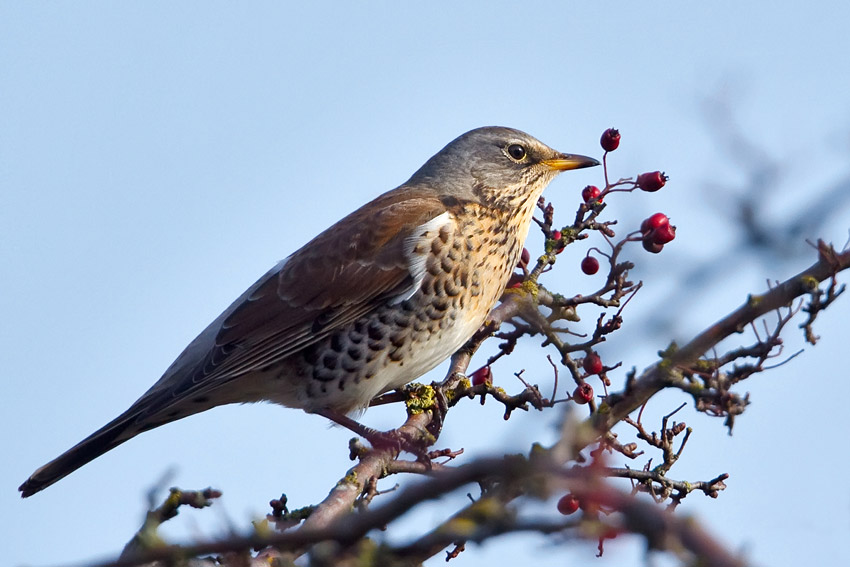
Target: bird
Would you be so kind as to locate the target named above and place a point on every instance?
(367, 306)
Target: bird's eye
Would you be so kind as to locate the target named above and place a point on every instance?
(516, 151)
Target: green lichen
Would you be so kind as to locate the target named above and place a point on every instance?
(420, 398)
(531, 287)
(349, 479)
(810, 283)
(458, 527)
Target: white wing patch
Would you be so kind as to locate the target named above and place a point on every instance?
(416, 249)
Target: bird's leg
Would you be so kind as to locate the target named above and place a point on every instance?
(348, 423)
(379, 439)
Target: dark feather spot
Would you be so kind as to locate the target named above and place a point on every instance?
(329, 361)
(398, 340)
(376, 332)
(321, 375)
(450, 287)
(354, 353)
(449, 201)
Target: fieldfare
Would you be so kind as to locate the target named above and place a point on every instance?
(370, 304)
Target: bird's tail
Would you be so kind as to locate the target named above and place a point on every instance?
(104, 439)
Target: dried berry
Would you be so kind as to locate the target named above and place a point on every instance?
(590, 193)
(651, 246)
(589, 265)
(583, 393)
(651, 181)
(610, 139)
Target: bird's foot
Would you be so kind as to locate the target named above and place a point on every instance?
(394, 440)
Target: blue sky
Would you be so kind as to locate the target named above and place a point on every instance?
(155, 159)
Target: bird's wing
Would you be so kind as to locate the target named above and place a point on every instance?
(368, 258)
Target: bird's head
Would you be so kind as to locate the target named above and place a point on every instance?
(496, 166)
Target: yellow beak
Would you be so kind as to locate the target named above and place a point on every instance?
(570, 161)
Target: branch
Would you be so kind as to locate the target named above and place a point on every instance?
(667, 371)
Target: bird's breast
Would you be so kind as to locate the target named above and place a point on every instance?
(464, 262)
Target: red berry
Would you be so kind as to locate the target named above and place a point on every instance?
(655, 221)
(592, 364)
(559, 246)
(651, 181)
(590, 193)
(610, 139)
(482, 376)
(583, 393)
(515, 281)
(568, 504)
(589, 265)
(663, 234)
(651, 246)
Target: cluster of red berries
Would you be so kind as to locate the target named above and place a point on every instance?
(656, 231)
(651, 181)
(592, 364)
